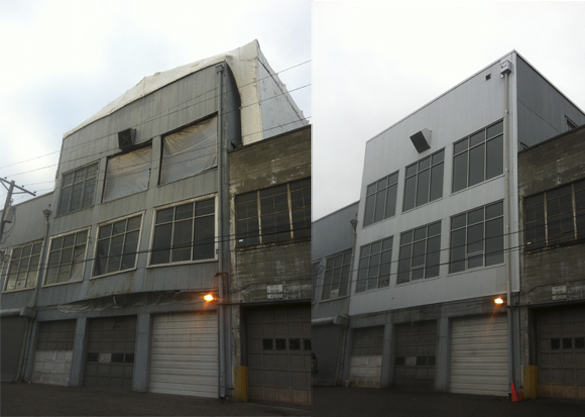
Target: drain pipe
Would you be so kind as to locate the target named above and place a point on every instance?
(220, 202)
(33, 302)
(505, 69)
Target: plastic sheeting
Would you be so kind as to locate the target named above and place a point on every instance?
(189, 152)
(127, 174)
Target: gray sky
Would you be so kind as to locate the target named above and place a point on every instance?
(63, 61)
(376, 62)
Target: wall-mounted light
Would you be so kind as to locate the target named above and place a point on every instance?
(499, 301)
(208, 297)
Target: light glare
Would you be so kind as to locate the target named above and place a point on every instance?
(208, 297)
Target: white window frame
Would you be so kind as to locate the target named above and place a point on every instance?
(95, 260)
(153, 225)
(48, 255)
(36, 277)
(60, 211)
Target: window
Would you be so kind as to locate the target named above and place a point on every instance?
(184, 233)
(424, 181)
(571, 124)
(381, 199)
(337, 275)
(66, 258)
(127, 174)
(189, 151)
(117, 246)
(478, 157)
(23, 267)
(274, 214)
(555, 216)
(374, 265)
(420, 253)
(315, 270)
(78, 189)
(477, 238)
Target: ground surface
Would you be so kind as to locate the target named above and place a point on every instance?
(50, 400)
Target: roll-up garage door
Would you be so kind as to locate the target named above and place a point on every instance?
(561, 352)
(479, 356)
(184, 354)
(110, 353)
(279, 354)
(366, 357)
(414, 365)
(54, 352)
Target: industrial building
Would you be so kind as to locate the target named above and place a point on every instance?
(120, 277)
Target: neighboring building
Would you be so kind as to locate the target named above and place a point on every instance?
(332, 254)
(438, 228)
(551, 191)
(106, 276)
(270, 286)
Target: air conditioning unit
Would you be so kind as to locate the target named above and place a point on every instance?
(126, 139)
(335, 293)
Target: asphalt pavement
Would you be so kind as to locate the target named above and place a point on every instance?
(350, 402)
(52, 400)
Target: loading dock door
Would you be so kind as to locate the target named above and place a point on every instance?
(184, 354)
(110, 353)
(414, 364)
(54, 352)
(279, 354)
(479, 356)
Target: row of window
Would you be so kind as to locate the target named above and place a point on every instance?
(182, 233)
(477, 240)
(186, 153)
(476, 158)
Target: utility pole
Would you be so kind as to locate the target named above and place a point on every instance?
(10, 189)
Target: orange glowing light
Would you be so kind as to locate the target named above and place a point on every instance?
(499, 301)
(208, 297)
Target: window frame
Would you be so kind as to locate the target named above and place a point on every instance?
(254, 236)
(425, 265)
(36, 273)
(337, 270)
(98, 239)
(385, 189)
(366, 278)
(108, 177)
(486, 236)
(469, 148)
(48, 256)
(174, 205)
(577, 190)
(63, 188)
(315, 274)
(417, 176)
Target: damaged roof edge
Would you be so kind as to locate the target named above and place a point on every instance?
(159, 80)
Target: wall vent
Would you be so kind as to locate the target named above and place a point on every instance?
(126, 139)
(421, 140)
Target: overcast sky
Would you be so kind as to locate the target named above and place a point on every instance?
(375, 63)
(63, 61)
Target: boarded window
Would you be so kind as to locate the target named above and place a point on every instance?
(189, 151)
(127, 174)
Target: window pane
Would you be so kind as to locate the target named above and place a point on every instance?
(476, 164)
(380, 201)
(475, 216)
(182, 240)
(161, 244)
(409, 193)
(204, 245)
(437, 182)
(369, 215)
(475, 238)
(494, 210)
(130, 248)
(422, 192)
(476, 138)
(495, 129)
(494, 242)
(433, 257)
(460, 172)
(495, 157)
(391, 202)
(458, 250)
(460, 146)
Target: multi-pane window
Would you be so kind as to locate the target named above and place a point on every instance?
(315, 270)
(117, 246)
(555, 216)
(420, 253)
(381, 199)
(184, 233)
(478, 157)
(78, 189)
(374, 265)
(424, 181)
(337, 275)
(274, 214)
(477, 238)
(23, 267)
(66, 258)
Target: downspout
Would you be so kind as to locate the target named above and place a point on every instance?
(33, 301)
(339, 377)
(221, 313)
(511, 378)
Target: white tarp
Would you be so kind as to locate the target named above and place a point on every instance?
(127, 174)
(189, 151)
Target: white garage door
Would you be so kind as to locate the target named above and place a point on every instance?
(479, 356)
(184, 355)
